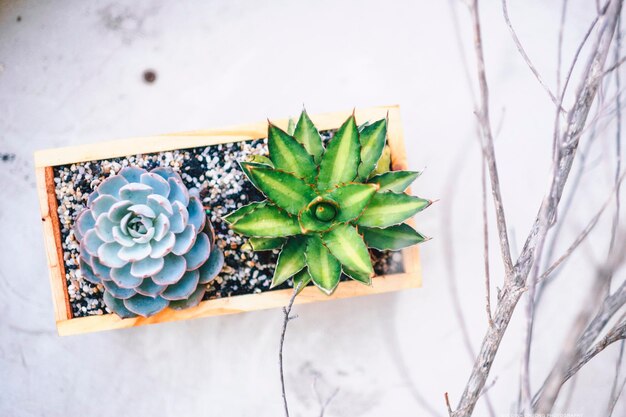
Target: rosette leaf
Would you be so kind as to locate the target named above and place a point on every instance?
(324, 227)
(144, 237)
(396, 181)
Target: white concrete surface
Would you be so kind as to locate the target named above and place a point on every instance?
(71, 73)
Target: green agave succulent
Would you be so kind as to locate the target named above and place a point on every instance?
(326, 205)
(145, 237)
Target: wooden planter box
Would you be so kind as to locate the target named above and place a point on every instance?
(45, 161)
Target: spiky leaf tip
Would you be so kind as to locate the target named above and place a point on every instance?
(345, 243)
(396, 181)
(290, 156)
(373, 138)
(389, 208)
(243, 211)
(395, 237)
(247, 166)
(307, 134)
(341, 159)
(324, 268)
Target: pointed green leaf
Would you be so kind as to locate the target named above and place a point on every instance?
(341, 159)
(352, 200)
(389, 208)
(290, 156)
(345, 243)
(384, 163)
(260, 244)
(324, 268)
(284, 189)
(357, 276)
(267, 221)
(233, 217)
(302, 278)
(394, 237)
(306, 133)
(246, 166)
(291, 127)
(290, 261)
(396, 181)
(373, 138)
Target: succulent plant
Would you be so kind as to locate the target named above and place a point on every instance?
(145, 237)
(326, 205)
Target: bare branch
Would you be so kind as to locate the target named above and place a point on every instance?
(617, 333)
(616, 398)
(579, 350)
(487, 143)
(615, 390)
(287, 318)
(559, 56)
(486, 241)
(576, 120)
(583, 153)
(618, 138)
(615, 66)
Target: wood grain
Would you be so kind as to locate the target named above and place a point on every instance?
(45, 160)
(52, 242)
(239, 304)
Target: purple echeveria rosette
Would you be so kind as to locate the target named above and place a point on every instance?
(145, 237)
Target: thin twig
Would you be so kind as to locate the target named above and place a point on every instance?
(559, 54)
(448, 406)
(488, 387)
(615, 66)
(614, 402)
(446, 225)
(286, 320)
(570, 350)
(487, 143)
(486, 240)
(615, 390)
(581, 237)
(583, 154)
(617, 333)
(570, 394)
(579, 348)
(618, 138)
(529, 63)
(323, 403)
(448, 248)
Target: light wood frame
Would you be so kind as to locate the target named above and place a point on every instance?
(45, 161)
